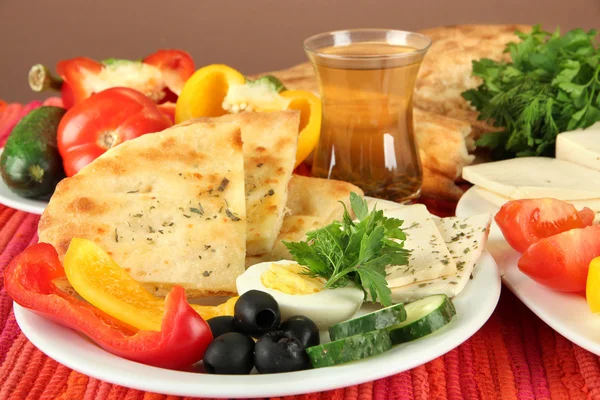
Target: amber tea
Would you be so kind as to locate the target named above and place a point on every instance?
(367, 130)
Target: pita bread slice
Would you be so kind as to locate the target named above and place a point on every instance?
(270, 143)
(168, 207)
(446, 70)
(312, 203)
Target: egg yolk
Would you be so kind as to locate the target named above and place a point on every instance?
(291, 280)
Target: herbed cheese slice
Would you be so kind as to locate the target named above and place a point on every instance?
(465, 239)
(429, 257)
(580, 147)
(536, 177)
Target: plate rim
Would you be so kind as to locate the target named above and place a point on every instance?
(561, 328)
(265, 385)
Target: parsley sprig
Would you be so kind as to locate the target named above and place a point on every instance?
(551, 85)
(354, 251)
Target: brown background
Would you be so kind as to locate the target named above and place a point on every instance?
(251, 35)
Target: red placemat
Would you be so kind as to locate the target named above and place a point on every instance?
(513, 356)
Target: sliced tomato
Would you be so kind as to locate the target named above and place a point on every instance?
(524, 222)
(561, 262)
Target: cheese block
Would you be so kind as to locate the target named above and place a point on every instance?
(580, 147)
(536, 177)
(465, 239)
(429, 258)
(498, 200)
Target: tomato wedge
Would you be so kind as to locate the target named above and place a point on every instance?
(561, 262)
(524, 222)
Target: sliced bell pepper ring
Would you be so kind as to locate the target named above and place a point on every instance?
(309, 106)
(97, 278)
(160, 76)
(181, 342)
(103, 121)
(204, 92)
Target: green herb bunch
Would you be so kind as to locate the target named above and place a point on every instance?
(348, 251)
(551, 85)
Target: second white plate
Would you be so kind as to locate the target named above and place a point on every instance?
(568, 314)
(11, 199)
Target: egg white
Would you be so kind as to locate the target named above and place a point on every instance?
(324, 308)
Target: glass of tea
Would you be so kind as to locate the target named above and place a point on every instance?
(366, 79)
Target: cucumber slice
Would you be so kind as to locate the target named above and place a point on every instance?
(376, 320)
(423, 317)
(349, 349)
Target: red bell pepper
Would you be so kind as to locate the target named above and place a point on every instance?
(81, 77)
(183, 338)
(103, 121)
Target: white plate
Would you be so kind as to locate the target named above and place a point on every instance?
(10, 199)
(568, 314)
(474, 306)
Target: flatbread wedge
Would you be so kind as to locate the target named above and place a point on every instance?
(169, 207)
(312, 204)
(270, 143)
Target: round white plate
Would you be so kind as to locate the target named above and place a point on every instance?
(568, 314)
(11, 199)
(474, 306)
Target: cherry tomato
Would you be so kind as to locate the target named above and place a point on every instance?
(524, 222)
(561, 262)
(103, 121)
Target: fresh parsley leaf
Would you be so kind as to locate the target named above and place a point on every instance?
(354, 251)
(550, 85)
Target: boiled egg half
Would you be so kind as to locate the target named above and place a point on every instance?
(300, 294)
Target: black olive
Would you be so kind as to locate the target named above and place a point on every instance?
(303, 328)
(221, 325)
(256, 312)
(280, 352)
(230, 354)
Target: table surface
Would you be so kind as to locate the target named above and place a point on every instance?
(514, 356)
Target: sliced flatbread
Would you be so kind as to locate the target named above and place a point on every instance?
(465, 239)
(169, 207)
(429, 258)
(270, 143)
(446, 70)
(312, 203)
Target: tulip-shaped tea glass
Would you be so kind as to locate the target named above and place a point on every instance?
(367, 79)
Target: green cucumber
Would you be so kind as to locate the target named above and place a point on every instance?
(30, 163)
(423, 317)
(376, 320)
(349, 349)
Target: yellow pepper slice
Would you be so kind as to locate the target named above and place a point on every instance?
(309, 106)
(592, 288)
(103, 283)
(203, 93)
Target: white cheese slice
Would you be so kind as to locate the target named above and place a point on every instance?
(465, 238)
(536, 177)
(429, 258)
(580, 147)
(498, 200)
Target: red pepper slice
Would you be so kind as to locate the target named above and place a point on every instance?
(182, 341)
(81, 77)
(103, 121)
(73, 72)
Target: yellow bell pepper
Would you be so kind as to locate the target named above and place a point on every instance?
(215, 90)
(102, 282)
(203, 93)
(592, 288)
(309, 106)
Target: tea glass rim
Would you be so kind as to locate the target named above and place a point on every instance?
(317, 50)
